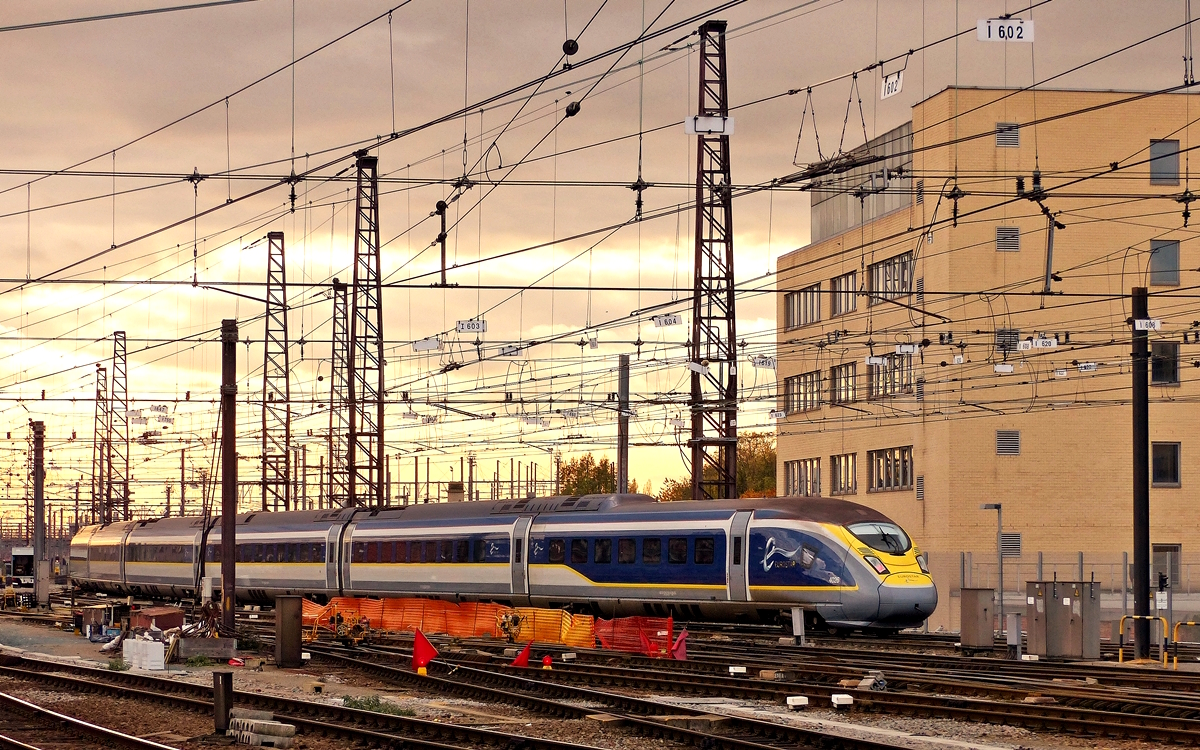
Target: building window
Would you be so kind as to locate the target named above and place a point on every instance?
(1164, 162)
(1164, 262)
(803, 307)
(890, 469)
(1008, 239)
(889, 278)
(802, 392)
(1164, 461)
(892, 378)
(803, 477)
(1008, 442)
(1008, 135)
(843, 479)
(1164, 363)
(1010, 544)
(842, 294)
(842, 380)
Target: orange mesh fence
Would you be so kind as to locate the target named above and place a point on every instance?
(652, 636)
(312, 613)
(580, 632)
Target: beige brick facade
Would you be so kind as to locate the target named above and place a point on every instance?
(1069, 490)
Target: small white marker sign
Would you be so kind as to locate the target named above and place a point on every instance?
(1160, 600)
(1003, 369)
(1004, 30)
(1087, 366)
(471, 326)
(427, 345)
(672, 319)
(778, 414)
(906, 348)
(763, 362)
(1147, 324)
(893, 83)
(1038, 343)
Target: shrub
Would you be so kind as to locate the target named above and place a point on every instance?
(374, 703)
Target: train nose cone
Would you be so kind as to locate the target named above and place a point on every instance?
(906, 606)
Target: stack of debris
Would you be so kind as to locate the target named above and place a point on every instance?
(259, 729)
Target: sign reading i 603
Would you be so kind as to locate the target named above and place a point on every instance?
(1004, 30)
(471, 326)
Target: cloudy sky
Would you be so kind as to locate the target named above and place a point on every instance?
(133, 105)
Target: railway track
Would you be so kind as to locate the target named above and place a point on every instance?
(28, 726)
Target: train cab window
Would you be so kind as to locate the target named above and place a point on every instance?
(604, 551)
(626, 551)
(579, 549)
(558, 550)
(446, 551)
(651, 551)
(430, 552)
(704, 552)
(677, 550)
(401, 554)
(517, 549)
(461, 550)
(480, 550)
(882, 536)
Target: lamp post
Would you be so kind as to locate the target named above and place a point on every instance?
(999, 553)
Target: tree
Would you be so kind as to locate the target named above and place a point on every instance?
(755, 470)
(584, 476)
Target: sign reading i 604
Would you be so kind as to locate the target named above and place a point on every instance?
(1004, 30)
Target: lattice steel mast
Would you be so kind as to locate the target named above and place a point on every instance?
(365, 457)
(118, 461)
(101, 511)
(339, 399)
(277, 393)
(714, 393)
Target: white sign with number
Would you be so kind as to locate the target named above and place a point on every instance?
(893, 83)
(471, 326)
(1038, 343)
(1160, 600)
(1004, 30)
(671, 319)
(1147, 324)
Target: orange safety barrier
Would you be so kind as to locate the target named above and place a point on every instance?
(652, 636)
(556, 626)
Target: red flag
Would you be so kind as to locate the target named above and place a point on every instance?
(646, 647)
(522, 659)
(423, 651)
(679, 649)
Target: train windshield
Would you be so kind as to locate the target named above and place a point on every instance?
(885, 537)
(22, 565)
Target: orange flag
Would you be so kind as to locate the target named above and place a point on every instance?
(522, 659)
(423, 651)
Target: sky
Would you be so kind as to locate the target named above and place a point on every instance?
(130, 107)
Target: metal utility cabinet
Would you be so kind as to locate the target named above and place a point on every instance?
(1063, 619)
(977, 630)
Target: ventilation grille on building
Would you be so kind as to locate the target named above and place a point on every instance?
(920, 191)
(920, 389)
(919, 286)
(1007, 339)
(1008, 442)
(1008, 239)
(1010, 545)
(1008, 135)
(921, 487)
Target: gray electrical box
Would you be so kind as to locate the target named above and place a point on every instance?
(289, 631)
(977, 630)
(1064, 619)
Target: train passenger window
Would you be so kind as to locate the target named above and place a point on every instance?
(480, 549)
(305, 553)
(259, 553)
(604, 551)
(401, 552)
(214, 553)
(579, 551)
(626, 550)
(358, 553)
(430, 552)
(705, 550)
(269, 553)
(677, 550)
(737, 550)
(319, 552)
(461, 551)
(445, 552)
(651, 551)
(558, 550)
(373, 552)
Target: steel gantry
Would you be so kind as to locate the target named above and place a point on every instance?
(339, 400)
(713, 353)
(277, 393)
(118, 437)
(365, 456)
(101, 511)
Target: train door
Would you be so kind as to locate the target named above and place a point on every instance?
(738, 549)
(337, 556)
(520, 557)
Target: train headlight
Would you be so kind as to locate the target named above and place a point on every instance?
(922, 565)
(877, 564)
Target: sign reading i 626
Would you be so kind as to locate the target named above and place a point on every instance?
(1004, 30)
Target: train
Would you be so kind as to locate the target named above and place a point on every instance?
(20, 568)
(847, 566)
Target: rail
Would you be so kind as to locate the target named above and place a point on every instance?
(1162, 647)
(109, 735)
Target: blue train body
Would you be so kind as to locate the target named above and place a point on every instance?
(846, 564)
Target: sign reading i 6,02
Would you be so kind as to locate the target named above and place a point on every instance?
(1004, 30)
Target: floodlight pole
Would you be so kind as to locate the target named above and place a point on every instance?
(999, 553)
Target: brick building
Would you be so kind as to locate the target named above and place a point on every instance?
(923, 371)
